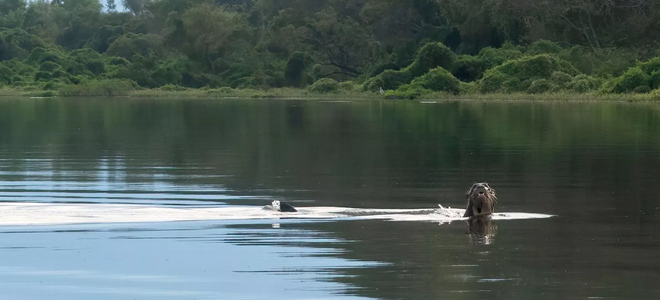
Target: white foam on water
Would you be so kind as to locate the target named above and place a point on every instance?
(51, 214)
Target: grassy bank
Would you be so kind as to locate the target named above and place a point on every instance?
(292, 93)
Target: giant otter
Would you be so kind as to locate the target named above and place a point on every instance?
(281, 206)
(481, 200)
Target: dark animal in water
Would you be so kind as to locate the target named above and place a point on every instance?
(282, 206)
(481, 200)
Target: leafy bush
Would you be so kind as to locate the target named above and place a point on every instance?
(430, 56)
(654, 80)
(348, 86)
(544, 47)
(517, 75)
(5, 74)
(642, 89)
(118, 61)
(650, 66)
(42, 75)
(408, 91)
(104, 87)
(381, 67)
(584, 83)
(493, 57)
(438, 79)
(560, 79)
(630, 80)
(172, 88)
(468, 68)
(540, 86)
(295, 69)
(325, 85)
(48, 66)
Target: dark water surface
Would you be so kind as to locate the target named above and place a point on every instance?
(593, 165)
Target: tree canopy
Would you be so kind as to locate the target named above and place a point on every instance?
(277, 43)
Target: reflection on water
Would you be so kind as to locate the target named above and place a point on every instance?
(482, 230)
(592, 165)
(168, 261)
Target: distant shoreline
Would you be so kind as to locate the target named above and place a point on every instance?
(293, 93)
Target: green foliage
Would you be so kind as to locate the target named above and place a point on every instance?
(630, 80)
(430, 56)
(438, 79)
(468, 68)
(48, 66)
(540, 86)
(642, 89)
(408, 91)
(561, 79)
(517, 75)
(130, 44)
(172, 88)
(348, 86)
(544, 47)
(104, 87)
(43, 76)
(493, 57)
(584, 83)
(17, 43)
(295, 69)
(381, 67)
(391, 45)
(650, 66)
(5, 74)
(325, 85)
(654, 79)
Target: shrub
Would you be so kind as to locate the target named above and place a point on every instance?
(325, 85)
(642, 89)
(42, 75)
(517, 75)
(391, 79)
(5, 74)
(96, 67)
(544, 46)
(381, 67)
(630, 80)
(172, 88)
(348, 86)
(584, 83)
(468, 68)
(654, 80)
(103, 87)
(493, 57)
(540, 86)
(438, 79)
(650, 66)
(48, 66)
(561, 79)
(119, 61)
(35, 55)
(295, 69)
(407, 91)
(430, 56)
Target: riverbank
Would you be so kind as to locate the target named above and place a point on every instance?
(292, 93)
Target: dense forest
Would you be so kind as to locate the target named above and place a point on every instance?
(402, 48)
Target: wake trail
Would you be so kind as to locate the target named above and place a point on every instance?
(14, 213)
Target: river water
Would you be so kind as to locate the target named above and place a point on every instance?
(161, 199)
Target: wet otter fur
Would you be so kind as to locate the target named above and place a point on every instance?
(481, 200)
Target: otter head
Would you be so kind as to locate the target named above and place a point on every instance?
(481, 200)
